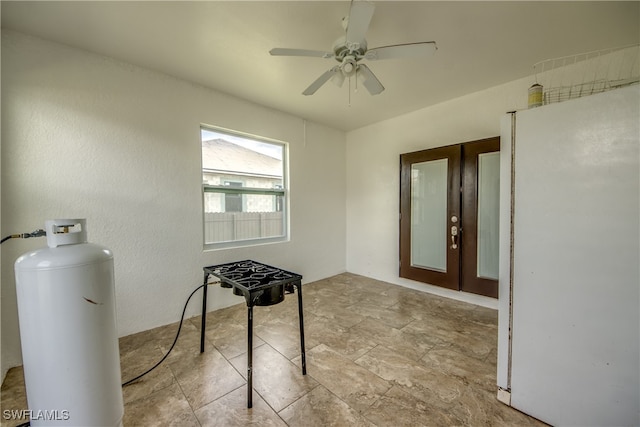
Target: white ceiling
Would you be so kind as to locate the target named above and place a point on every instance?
(225, 45)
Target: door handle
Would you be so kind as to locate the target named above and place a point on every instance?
(454, 237)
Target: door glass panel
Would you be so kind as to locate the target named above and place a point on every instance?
(488, 205)
(429, 214)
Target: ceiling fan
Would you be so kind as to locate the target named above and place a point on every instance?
(351, 48)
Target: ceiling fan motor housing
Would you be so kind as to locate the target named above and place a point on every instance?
(343, 48)
(348, 54)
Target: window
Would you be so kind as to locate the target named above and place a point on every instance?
(232, 201)
(244, 189)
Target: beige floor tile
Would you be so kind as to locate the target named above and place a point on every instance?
(13, 386)
(230, 338)
(449, 361)
(285, 312)
(377, 355)
(321, 408)
(339, 315)
(404, 341)
(283, 336)
(319, 293)
(465, 337)
(390, 316)
(398, 408)
(479, 407)
(204, 377)
(429, 385)
(354, 384)
(346, 341)
(136, 361)
(484, 316)
(13, 398)
(275, 378)
(231, 411)
(166, 407)
(188, 342)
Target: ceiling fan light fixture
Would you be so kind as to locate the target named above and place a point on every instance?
(349, 65)
(349, 50)
(338, 79)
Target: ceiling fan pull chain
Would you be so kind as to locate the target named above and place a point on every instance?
(355, 74)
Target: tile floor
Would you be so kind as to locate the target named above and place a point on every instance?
(377, 355)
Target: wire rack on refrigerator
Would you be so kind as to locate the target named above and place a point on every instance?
(588, 73)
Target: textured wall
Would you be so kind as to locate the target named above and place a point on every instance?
(85, 136)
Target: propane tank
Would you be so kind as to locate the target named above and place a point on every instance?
(66, 309)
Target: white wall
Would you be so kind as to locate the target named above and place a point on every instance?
(373, 174)
(85, 136)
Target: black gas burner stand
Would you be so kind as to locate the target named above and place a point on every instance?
(260, 284)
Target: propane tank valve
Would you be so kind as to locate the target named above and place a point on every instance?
(37, 233)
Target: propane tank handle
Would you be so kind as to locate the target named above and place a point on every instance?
(66, 232)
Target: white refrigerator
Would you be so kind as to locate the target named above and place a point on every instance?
(569, 281)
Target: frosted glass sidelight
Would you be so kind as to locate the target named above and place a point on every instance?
(429, 214)
(488, 215)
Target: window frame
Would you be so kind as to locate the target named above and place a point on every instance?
(226, 189)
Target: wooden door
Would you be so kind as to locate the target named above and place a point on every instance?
(429, 209)
(447, 237)
(480, 211)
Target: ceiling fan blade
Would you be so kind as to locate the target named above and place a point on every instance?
(409, 50)
(321, 80)
(360, 16)
(370, 81)
(283, 51)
